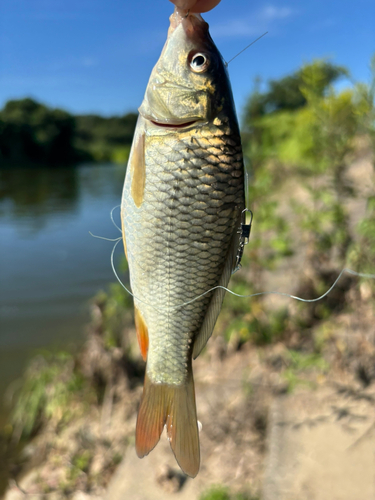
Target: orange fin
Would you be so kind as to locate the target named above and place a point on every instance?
(142, 332)
(175, 406)
(182, 428)
(151, 417)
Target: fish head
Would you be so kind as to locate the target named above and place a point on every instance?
(189, 83)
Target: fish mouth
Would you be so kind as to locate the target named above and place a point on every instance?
(173, 125)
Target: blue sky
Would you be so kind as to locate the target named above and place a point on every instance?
(96, 55)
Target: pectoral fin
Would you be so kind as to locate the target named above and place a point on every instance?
(137, 166)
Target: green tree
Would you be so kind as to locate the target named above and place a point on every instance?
(286, 94)
(31, 132)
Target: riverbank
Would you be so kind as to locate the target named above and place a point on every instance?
(74, 416)
(82, 435)
(84, 406)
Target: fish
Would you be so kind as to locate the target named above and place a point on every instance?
(181, 211)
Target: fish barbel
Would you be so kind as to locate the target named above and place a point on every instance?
(181, 212)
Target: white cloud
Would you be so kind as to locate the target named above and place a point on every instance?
(254, 23)
(271, 12)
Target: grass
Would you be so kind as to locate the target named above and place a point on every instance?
(218, 492)
(53, 390)
(301, 366)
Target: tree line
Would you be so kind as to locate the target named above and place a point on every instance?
(34, 134)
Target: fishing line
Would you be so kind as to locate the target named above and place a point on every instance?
(114, 223)
(103, 238)
(257, 294)
(247, 193)
(243, 50)
(283, 294)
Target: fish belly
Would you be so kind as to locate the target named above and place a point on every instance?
(178, 238)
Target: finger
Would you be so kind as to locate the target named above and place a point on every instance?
(204, 5)
(184, 4)
(197, 6)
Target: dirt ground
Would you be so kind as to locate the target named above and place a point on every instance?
(317, 442)
(232, 439)
(322, 446)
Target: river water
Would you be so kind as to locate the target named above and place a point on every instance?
(50, 266)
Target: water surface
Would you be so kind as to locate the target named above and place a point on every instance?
(50, 266)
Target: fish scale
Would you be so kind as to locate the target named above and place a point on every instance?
(203, 233)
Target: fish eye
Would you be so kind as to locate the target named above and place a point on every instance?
(199, 62)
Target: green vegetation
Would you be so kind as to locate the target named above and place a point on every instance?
(301, 153)
(58, 390)
(300, 139)
(53, 390)
(222, 493)
(299, 363)
(33, 134)
(361, 254)
(273, 118)
(105, 139)
(216, 493)
(116, 306)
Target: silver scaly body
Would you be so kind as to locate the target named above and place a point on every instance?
(181, 209)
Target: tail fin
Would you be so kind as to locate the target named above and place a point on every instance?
(173, 405)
